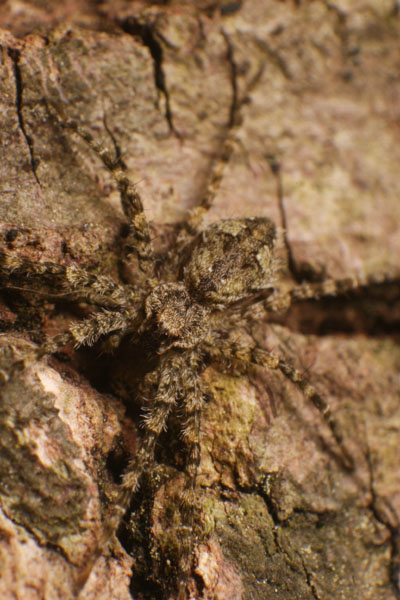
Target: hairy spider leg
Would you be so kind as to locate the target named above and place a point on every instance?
(86, 332)
(100, 290)
(139, 238)
(246, 356)
(224, 153)
(166, 378)
(281, 300)
(273, 361)
(167, 381)
(192, 405)
(176, 378)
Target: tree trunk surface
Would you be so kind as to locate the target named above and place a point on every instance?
(318, 152)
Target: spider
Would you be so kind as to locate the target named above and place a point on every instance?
(182, 309)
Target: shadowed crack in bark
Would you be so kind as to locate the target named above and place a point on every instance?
(145, 32)
(308, 578)
(15, 56)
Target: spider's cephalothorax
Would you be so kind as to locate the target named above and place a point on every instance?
(178, 321)
(188, 317)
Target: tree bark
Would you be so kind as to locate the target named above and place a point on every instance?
(317, 151)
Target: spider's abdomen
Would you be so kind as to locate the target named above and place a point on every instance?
(232, 259)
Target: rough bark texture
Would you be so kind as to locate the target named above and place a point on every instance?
(283, 519)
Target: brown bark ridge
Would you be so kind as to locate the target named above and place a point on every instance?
(317, 152)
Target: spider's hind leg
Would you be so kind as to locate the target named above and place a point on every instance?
(161, 386)
(273, 361)
(175, 384)
(243, 357)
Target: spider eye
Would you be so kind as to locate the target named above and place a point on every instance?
(231, 260)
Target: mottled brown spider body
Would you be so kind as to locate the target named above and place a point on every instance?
(215, 276)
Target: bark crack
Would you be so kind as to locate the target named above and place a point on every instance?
(308, 578)
(146, 34)
(394, 539)
(47, 543)
(15, 57)
(236, 103)
(281, 548)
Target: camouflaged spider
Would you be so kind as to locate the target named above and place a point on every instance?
(186, 308)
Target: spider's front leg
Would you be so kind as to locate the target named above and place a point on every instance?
(226, 148)
(138, 240)
(85, 332)
(72, 282)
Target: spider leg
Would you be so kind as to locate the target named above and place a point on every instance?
(273, 361)
(192, 406)
(281, 300)
(168, 388)
(242, 357)
(167, 381)
(176, 374)
(139, 238)
(87, 332)
(334, 287)
(100, 290)
(215, 176)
